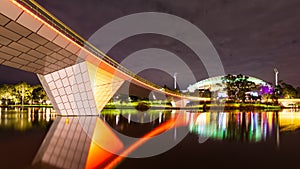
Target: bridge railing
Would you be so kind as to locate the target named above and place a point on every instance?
(53, 21)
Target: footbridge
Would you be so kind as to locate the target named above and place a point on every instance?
(78, 78)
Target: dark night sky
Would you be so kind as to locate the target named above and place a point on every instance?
(251, 37)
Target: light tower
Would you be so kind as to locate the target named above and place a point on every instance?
(276, 76)
(175, 80)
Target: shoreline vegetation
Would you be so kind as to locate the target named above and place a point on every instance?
(22, 93)
(144, 106)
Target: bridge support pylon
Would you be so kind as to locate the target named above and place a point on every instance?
(81, 89)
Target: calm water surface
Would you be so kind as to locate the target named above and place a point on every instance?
(37, 138)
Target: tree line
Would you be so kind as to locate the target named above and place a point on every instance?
(22, 93)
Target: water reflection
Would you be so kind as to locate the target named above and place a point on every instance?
(88, 142)
(240, 126)
(21, 119)
(72, 143)
(245, 126)
(77, 142)
(134, 123)
(289, 120)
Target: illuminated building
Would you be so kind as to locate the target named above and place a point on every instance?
(215, 84)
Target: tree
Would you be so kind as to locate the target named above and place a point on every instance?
(237, 86)
(288, 91)
(205, 93)
(39, 94)
(23, 92)
(298, 92)
(6, 93)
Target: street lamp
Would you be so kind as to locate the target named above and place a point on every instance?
(276, 76)
(175, 80)
(276, 81)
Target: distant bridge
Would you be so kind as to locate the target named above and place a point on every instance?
(78, 78)
(292, 103)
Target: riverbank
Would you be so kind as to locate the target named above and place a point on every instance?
(245, 106)
(201, 107)
(143, 106)
(29, 105)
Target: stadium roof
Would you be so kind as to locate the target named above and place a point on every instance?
(215, 83)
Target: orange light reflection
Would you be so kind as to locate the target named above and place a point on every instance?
(103, 136)
(174, 122)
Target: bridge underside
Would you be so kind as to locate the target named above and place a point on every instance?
(76, 82)
(29, 44)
